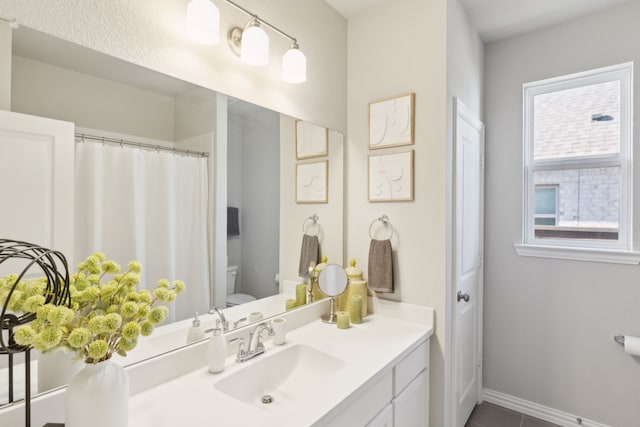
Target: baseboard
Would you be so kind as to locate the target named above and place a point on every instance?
(536, 410)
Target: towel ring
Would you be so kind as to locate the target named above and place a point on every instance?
(315, 219)
(384, 219)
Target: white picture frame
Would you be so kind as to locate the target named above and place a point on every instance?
(312, 185)
(391, 176)
(311, 140)
(391, 122)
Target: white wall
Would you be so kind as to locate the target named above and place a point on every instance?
(151, 34)
(5, 65)
(394, 49)
(549, 324)
(235, 150)
(45, 90)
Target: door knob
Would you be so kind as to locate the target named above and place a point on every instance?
(465, 297)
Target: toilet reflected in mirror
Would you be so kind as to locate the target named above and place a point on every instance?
(234, 298)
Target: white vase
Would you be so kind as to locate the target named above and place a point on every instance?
(56, 368)
(98, 396)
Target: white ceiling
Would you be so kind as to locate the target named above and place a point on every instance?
(499, 19)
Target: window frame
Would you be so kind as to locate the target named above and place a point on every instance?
(533, 246)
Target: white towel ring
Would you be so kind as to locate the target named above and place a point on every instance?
(315, 219)
(384, 219)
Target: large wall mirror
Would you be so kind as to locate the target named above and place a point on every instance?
(226, 220)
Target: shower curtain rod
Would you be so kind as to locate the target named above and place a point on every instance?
(84, 136)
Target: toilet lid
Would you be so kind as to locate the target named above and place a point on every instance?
(235, 299)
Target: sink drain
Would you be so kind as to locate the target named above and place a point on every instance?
(267, 398)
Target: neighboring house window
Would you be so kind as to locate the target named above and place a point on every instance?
(546, 205)
(577, 160)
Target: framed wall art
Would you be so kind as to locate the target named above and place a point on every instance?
(311, 140)
(391, 122)
(391, 176)
(312, 182)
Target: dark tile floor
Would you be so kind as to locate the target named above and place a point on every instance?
(489, 415)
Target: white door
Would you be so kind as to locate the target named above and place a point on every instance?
(467, 235)
(36, 182)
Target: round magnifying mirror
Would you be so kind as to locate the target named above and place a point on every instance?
(332, 281)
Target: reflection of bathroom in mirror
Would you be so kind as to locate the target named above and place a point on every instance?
(107, 97)
(253, 199)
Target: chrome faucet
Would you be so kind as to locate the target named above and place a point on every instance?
(244, 355)
(222, 320)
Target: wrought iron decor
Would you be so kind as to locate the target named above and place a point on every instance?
(40, 262)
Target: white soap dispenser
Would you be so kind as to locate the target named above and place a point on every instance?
(196, 331)
(217, 351)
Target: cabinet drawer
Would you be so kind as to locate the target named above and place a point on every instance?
(407, 369)
(384, 418)
(366, 405)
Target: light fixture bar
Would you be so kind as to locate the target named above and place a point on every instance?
(262, 21)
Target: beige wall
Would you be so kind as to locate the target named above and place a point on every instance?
(5, 65)
(549, 324)
(151, 34)
(394, 49)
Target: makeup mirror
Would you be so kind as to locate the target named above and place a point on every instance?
(332, 281)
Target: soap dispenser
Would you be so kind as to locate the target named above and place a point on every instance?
(196, 331)
(217, 351)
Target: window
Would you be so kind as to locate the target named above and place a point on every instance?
(577, 161)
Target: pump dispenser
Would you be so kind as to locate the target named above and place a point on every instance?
(196, 331)
(217, 351)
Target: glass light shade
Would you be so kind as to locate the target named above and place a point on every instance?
(255, 46)
(294, 66)
(203, 22)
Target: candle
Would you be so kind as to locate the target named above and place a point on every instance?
(301, 294)
(290, 303)
(355, 309)
(343, 319)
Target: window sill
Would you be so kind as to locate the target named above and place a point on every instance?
(578, 254)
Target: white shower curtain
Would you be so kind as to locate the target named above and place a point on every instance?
(139, 204)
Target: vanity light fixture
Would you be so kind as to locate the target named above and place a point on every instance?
(254, 44)
(203, 22)
(251, 44)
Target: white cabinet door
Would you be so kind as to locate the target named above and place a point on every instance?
(384, 418)
(36, 177)
(409, 407)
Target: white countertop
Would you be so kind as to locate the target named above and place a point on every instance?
(369, 350)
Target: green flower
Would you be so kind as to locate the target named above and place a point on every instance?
(179, 286)
(42, 313)
(126, 345)
(161, 293)
(146, 329)
(110, 267)
(130, 331)
(163, 283)
(98, 349)
(144, 311)
(96, 324)
(25, 335)
(32, 303)
(94, 279)
(112, 322)
(171, 296)
(48, 338)
(108, 291)
(158, 314)
(130, 279)
(92, 261)
(101, 257)
(129, 309)
(135, 267)
(144, 296)
(113, 308)
(60, 315)
(79, 337)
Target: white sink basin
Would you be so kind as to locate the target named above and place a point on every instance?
(285, 376)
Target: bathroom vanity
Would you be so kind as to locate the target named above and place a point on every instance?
(372, 374)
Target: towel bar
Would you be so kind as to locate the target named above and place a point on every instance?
(315, 219)
(384, 219)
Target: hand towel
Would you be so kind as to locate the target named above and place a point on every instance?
(309, 253)
(233, 223)
(380, 266)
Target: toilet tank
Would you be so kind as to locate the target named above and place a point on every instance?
(232, 273)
